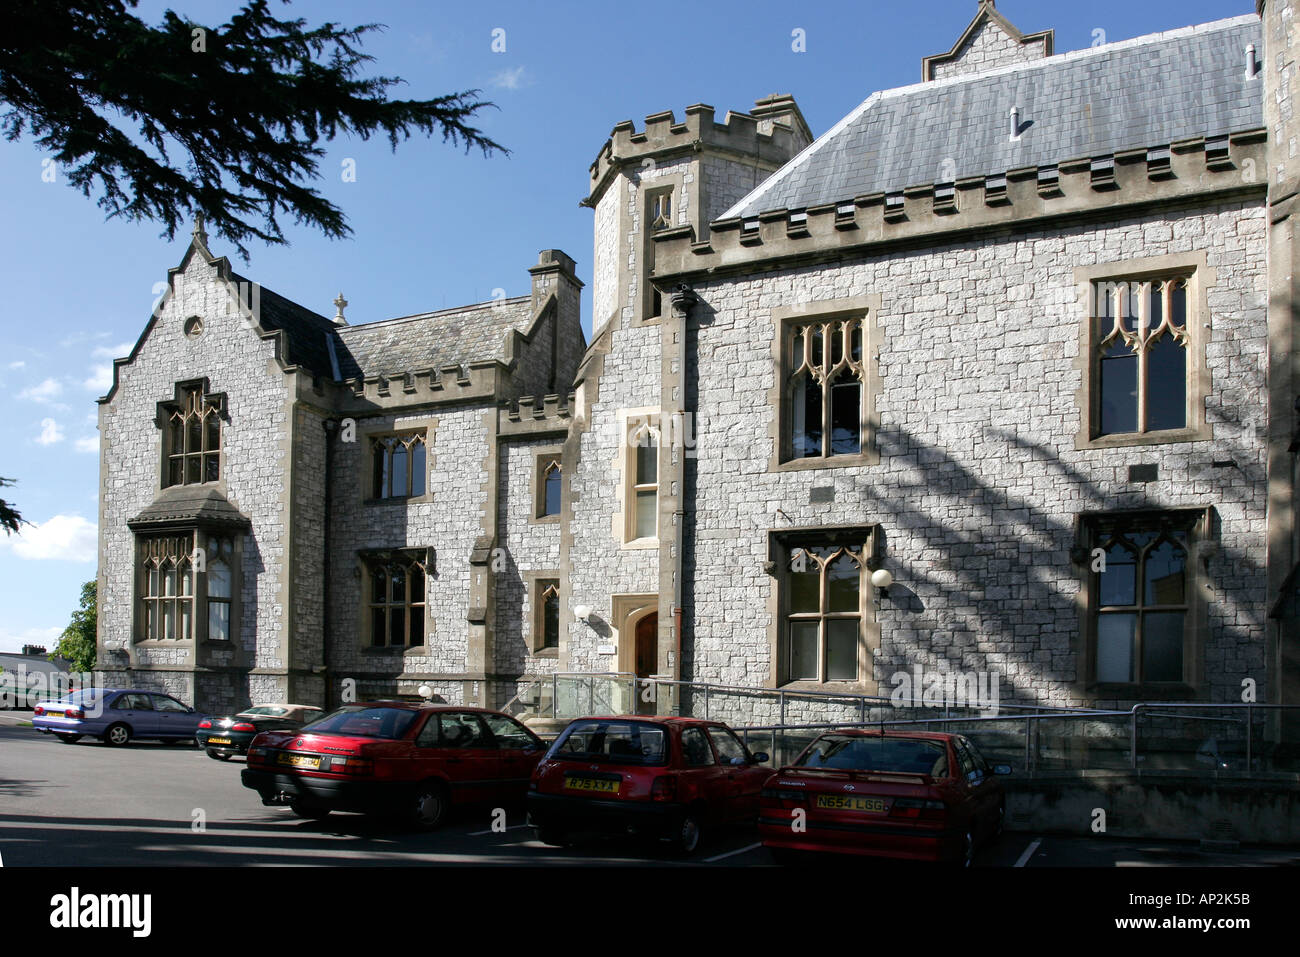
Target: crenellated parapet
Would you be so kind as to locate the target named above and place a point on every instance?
(534, 418)
(769, 136)
(1076, 187)
(421, 388)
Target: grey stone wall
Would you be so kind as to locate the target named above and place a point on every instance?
(978, 481)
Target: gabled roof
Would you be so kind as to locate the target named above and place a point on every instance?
(1149, 91)
(987, 16)
(307, 332)
(431, 340)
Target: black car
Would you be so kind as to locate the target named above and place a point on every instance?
(226, 736)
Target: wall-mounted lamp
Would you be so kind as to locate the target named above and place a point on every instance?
(425, 692)
(881, 580)
(582, 612)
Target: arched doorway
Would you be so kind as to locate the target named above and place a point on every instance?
(646, 638)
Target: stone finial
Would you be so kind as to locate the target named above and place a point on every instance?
(200, 234)
(340, 304)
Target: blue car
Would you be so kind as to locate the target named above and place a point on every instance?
(116, 715)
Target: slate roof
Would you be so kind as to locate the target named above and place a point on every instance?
(189, 503)
(306, 331)
(1149, 91)
(431, 340)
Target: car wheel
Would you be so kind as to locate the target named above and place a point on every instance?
(217, 755)
(428, 806)
(967, 858)
(68, 738)
(689, 834)
(1000, 821)
(117, 735)
(553, 836)
(311, 811)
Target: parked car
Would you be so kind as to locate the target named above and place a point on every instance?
(914, 795)
(115, 716)
(412, 761)
(669, 779)
(228, 735)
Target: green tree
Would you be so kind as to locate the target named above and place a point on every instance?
(243, 108)
(10, 520)
(77, 643)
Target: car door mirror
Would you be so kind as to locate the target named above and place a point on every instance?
(761, 757)
(1001, 769)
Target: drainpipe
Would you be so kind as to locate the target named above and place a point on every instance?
(683, 299)
(330, 427)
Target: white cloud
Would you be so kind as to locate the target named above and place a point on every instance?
(43, 392)
(119, 351)
(18, 365)
(13, 641)
(66, 538)
(89, 443)
(511, 79)
(50, 433)
(101, 378)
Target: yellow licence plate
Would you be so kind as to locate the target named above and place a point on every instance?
(299, 761)
(218, 740)
(844, 802)
(591, 784)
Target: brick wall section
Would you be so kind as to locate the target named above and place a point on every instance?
(988, 48)
(978, 481)
(239, 363)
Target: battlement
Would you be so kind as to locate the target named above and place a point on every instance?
(421, 387)
(1162, 174)
(774, 132)
(531, 417)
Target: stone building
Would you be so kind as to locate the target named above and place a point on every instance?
(1017, 335)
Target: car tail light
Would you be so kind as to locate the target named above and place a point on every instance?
(205, 723)
(74, 713)
(241, 726)
(259, 756)
(349, 765)
(781, 794)
(664, 788)
(917, 809)
(38, 711)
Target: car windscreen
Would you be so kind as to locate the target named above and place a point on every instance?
(361, 722)
(899, 755)
(87, 696)
(623, 742)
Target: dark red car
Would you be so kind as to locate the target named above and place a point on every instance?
(903, 794)
(670, 779)
(412, 761)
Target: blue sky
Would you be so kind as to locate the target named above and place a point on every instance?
(432, 227)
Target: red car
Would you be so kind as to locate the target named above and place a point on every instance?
(671, 779)
(904, 794)
(412, 761)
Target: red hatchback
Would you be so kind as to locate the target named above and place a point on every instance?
(412, 761)
(666, 778)
(915, 795)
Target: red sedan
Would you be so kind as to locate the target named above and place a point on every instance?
(412, 761)
(669, 779)
(903, 794)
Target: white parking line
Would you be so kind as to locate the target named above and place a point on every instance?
(719, 857)
(512, 827)
(1029, 852)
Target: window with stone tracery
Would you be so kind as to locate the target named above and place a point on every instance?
(397, 598)
(823, 613)
(825, 376)
(398, 465)
(166, 575)
(1141, 360)
(193, 438)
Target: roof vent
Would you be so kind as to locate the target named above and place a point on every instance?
(1015, 123)
(1251, 65)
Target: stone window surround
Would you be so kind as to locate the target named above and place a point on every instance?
(867, 307)
(647, 190)
(1200, 278)
(199, 613)
(624, 466)
(365, 437)
(535, 582)
(1201, 546)
(541, 462)
(868, 541)
(162, 418)
(362, 572)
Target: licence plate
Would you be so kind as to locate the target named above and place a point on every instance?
(298, 761)
(218, 741)
(591, 784)
(844, 802)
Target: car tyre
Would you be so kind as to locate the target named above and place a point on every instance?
(967, 858)
(217, 755)
(68, 738)
(428, 806)
(689, 835)
(1000, 822)
(311, 811)
(117, 735)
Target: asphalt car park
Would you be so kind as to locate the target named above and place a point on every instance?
(148, 804)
